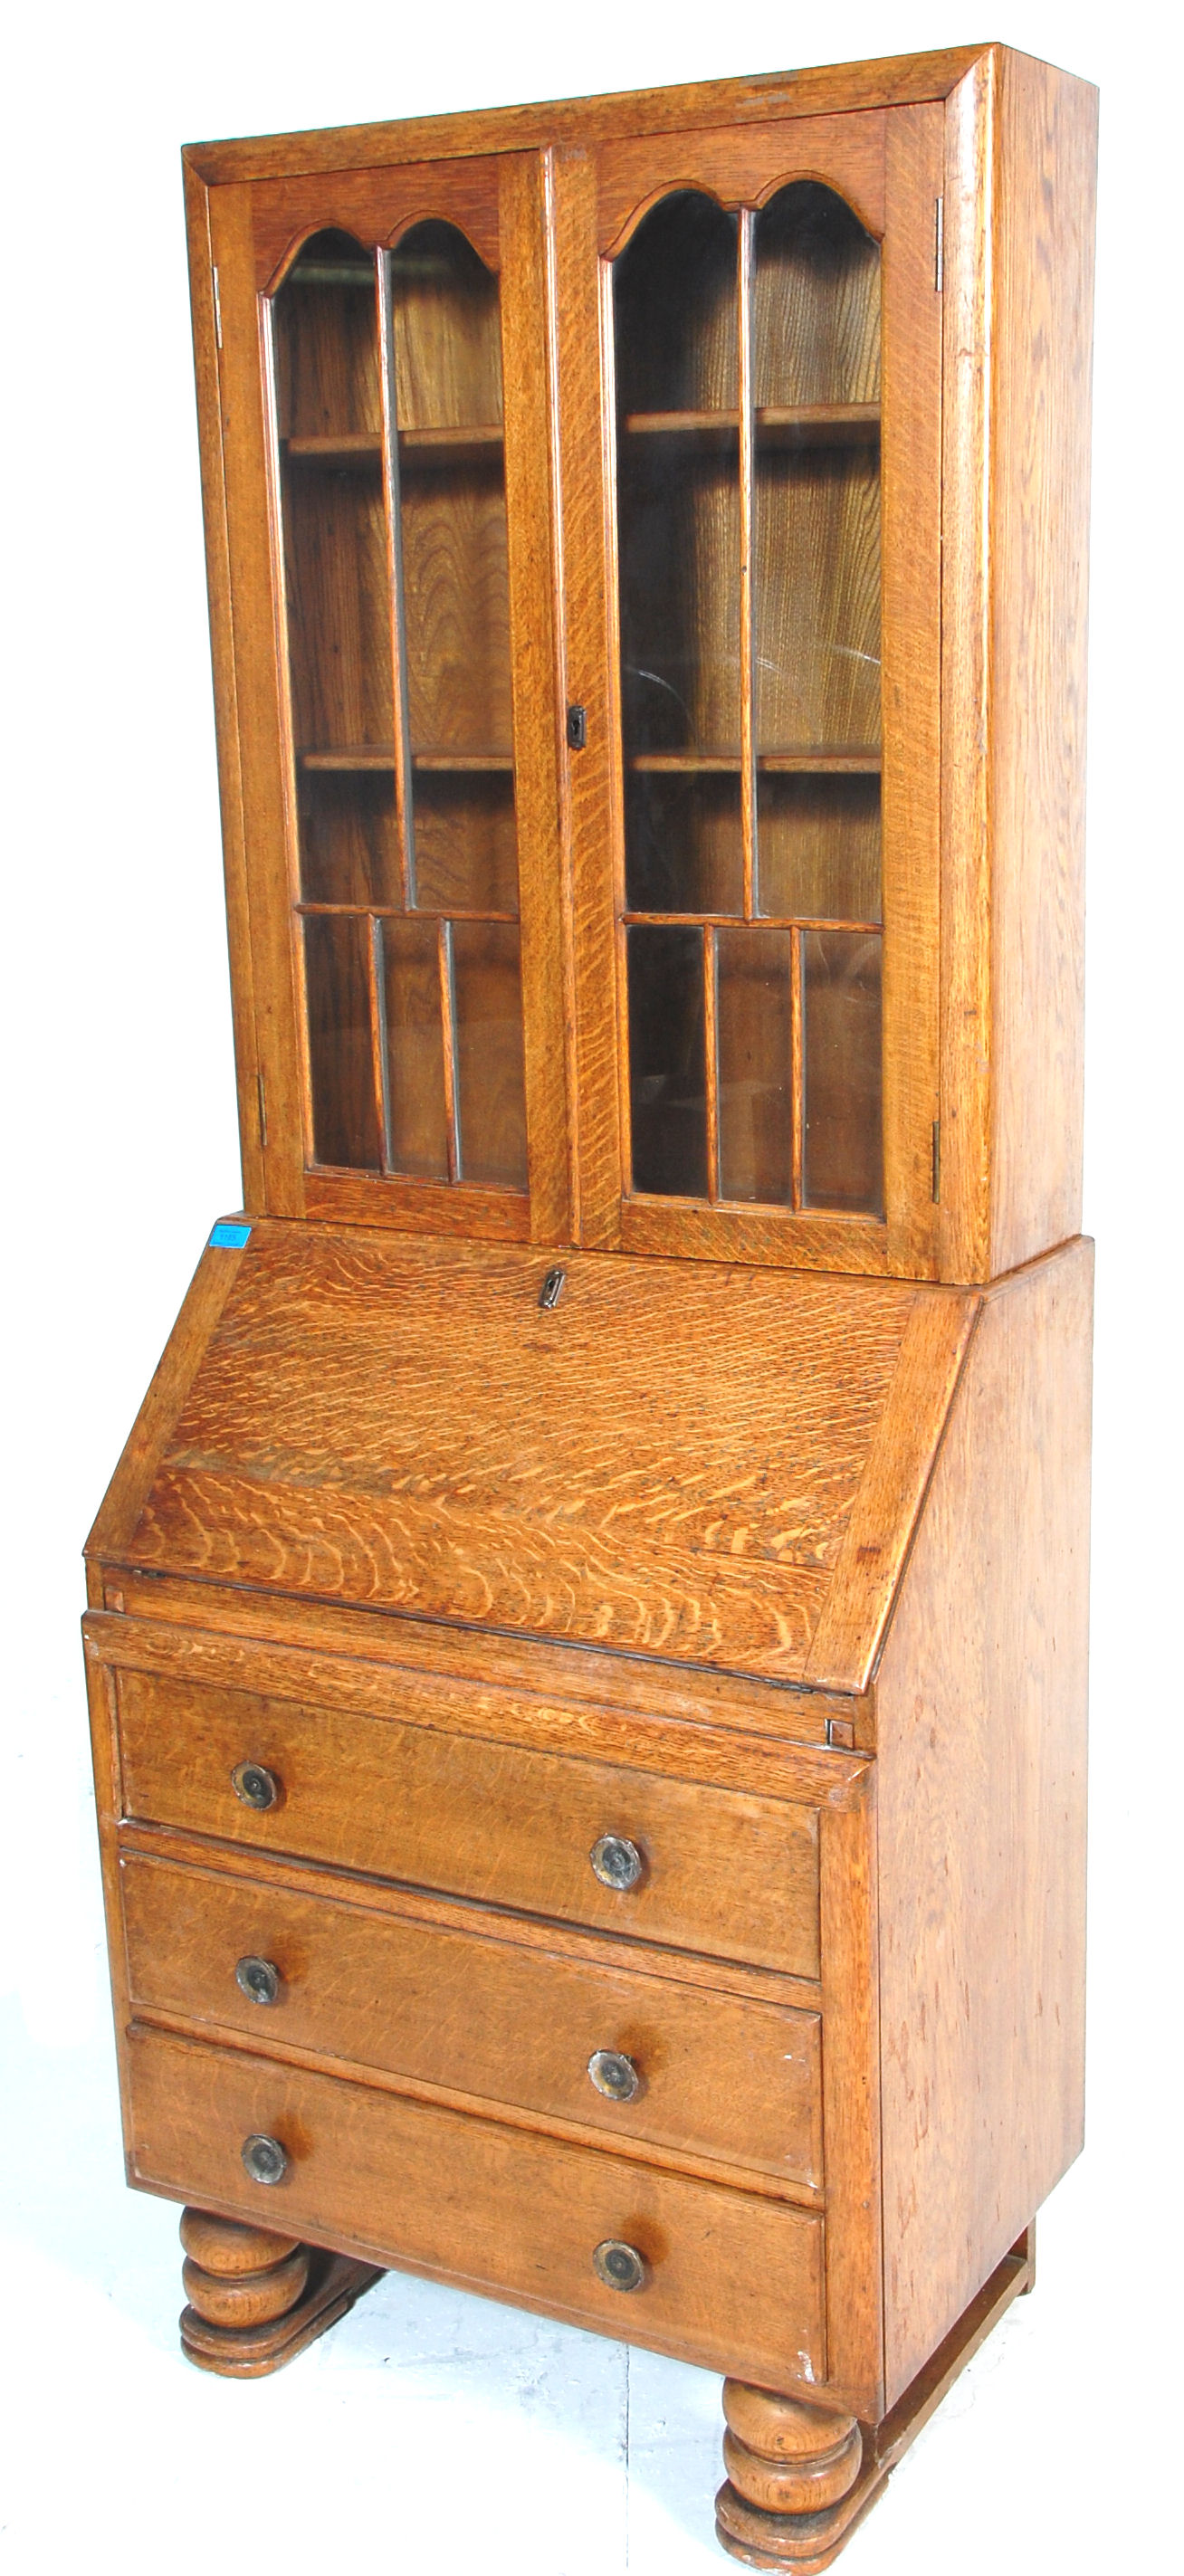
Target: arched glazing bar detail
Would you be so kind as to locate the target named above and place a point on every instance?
(388, 394)
(747, 354)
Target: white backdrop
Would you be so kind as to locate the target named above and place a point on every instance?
(435, 2431)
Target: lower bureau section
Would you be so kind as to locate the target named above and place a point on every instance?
(730, 2281)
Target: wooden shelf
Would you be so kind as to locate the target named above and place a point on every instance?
(691, 920)
(721, 763)
(858, 761)
(355, 447)
(819, 425)
(796, 425)
(495, 761)
(477, 443)
(382, 756)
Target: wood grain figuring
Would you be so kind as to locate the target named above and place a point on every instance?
(155, 1631)
(377, 206)
(448, 1499)
(172, 1378)
(735, 2081)
(584, 368)
(968, 361)
(417, 1910)
(912, 648)
(455, 1813)
(840, 88)
(849, 1890)
(1044, 260)
(981, 1697)
(743, 167)
(409, 2184)
(255, 558)
(888, 1506)
(1020, 158)
(682, 1228)
(410, 1206)
(532, 509)
(230, 781)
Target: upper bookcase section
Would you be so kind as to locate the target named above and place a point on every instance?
(647, 544)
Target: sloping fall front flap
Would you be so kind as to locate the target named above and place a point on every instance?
(718, 1465)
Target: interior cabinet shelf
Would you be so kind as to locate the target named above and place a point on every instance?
(473, 443)
(775, 764)
(787, 424)
(381, 756)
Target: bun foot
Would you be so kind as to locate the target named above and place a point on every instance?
(256, 2299)
(797, 2481)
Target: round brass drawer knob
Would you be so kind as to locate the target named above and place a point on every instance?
(256, 1786)
(616, 1861)
(265, 2159)
(618, 2265)
(613, 2075)
(258, 1980)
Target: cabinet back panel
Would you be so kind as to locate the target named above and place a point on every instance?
(339, 608)
(456, 609)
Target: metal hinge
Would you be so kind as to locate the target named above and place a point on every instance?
(939, 243)
(217, 307)
(262, 1113)
(936, 1162)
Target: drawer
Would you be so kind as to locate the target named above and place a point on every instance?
(733, 2280)
(722, 1872)
(718, 2075)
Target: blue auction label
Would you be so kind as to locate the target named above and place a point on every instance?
(230, 1238)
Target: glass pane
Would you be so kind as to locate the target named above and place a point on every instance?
(816, 302)
(754, 987)
(819, 846)
(337, 974)
(466, 857)
(349, 840)
(491, 1106)
(675, 305)
(417, 1114)
(677, 359)
(842, 1145)
(448, 387)
(335, 537)
(667, 1080)
(816, 604)
(394, 515)
(816, 499)
(684, 843)
(680, 598)
(447, 332)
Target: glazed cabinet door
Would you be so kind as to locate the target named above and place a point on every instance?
(753, 319)
(384, 432)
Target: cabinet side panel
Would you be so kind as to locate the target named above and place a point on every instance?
(1047, 145)
(981, 1780)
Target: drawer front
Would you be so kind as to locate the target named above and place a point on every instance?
(733, 2281)
(723, 1872)
(718, 2075)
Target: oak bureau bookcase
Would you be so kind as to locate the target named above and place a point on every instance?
(587, 1635)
